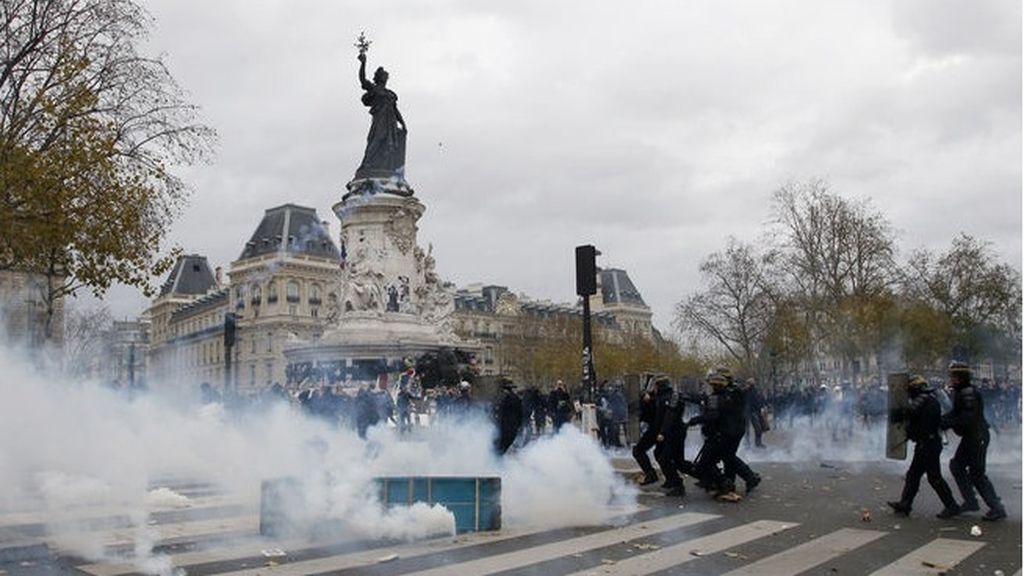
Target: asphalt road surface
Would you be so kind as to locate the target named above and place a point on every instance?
(813, 517)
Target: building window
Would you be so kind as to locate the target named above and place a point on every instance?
(314, 295)
(252, 345)
(293, 292)
(271, 292)
(240, 297)
(314, 312)
(293, 310)
(257, 295)
(270, 342)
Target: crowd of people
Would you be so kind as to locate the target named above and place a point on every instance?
(731, 408)
(840, 407)
(725, 409)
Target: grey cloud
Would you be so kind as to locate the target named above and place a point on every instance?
(652, 130)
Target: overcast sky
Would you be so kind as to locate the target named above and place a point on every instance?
(652, 130)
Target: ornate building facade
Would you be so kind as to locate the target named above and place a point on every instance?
(512, 329)
(287, 286)
(278, 289)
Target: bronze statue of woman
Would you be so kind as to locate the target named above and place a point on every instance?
(385, 144)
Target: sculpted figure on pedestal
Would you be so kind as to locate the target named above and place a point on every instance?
(364, 291)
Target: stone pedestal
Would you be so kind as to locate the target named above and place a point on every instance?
(392, 304)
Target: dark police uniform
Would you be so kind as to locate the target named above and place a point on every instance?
(734, 426)
(923, 416)
(647, 439)
(967, 419)
(712, 421)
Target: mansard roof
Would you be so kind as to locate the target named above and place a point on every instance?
(191, 275)
(217, 299)
(293, 229)
(617, 288)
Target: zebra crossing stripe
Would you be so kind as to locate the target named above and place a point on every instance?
(177, 531)
(555, 550)
(677, 554)
(250, 547)
(809, 554)
(371, 557)
(110, 513)
(936, 557)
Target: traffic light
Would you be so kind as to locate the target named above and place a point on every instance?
(586, 270)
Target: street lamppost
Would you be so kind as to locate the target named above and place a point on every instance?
(586, 285)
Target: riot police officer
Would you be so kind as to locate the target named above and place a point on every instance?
(664, 413)
(967, 419)
(923, 416)
(712, 420)
(671, 439)
(734, 426)
(648, 435)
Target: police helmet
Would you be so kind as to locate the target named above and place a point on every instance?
(716, 380)
(958, 367)
(917, 381)
(725, 373)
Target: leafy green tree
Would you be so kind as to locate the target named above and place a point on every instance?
(977, 298)
(89, 131)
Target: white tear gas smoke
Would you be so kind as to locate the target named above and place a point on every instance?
(834, 435)
(73, 451)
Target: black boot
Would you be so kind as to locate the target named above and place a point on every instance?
(948, 512)
(899, 508)
(994, 514)
(649, 479)
(970, 506)
(754, 481)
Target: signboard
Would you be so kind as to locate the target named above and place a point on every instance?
(896, 430)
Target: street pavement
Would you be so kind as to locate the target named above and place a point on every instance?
(814, 517)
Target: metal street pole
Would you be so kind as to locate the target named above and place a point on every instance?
(586, 285)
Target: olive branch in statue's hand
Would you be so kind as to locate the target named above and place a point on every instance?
(363, 45)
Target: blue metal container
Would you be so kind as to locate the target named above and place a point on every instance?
(475, 501)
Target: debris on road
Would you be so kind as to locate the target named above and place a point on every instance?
(273, 553)
(388, 558)
(865, 516)
(975, 530)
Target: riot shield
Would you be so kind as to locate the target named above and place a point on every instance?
(896, 430)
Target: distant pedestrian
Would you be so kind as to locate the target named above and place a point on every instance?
(508, 417)
(561, 406)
